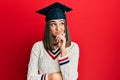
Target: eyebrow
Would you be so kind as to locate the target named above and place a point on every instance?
(54, 21)
(61, 20)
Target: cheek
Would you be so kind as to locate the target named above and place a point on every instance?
(63, 28)
(52, 30)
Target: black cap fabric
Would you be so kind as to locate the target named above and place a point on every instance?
(54, 11)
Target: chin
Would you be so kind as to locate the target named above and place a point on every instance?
(54, 35)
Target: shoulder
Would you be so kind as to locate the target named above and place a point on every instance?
(74, 45)
(36, 48)
(73, 49)
(37, 45)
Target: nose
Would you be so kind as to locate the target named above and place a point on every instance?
(58, 28)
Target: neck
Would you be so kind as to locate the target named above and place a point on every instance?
(55, 44)
(55, 47)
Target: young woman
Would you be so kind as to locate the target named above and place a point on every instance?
(56, 56)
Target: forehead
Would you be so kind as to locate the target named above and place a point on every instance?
(57, 20)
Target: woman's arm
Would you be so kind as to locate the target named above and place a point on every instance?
(33, 73)
(69, 64)
(33, 65)
(68, 61)
(55, 76)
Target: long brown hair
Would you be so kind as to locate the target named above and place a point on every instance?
(48, 39)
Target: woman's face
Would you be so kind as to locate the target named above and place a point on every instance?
(57, 26)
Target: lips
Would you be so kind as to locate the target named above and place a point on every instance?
(58, 32)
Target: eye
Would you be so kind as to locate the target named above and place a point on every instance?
(62, 23)
(52, 24)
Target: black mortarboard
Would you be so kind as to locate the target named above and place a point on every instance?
(54, 11)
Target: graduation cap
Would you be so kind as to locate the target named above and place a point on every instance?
(54, 11)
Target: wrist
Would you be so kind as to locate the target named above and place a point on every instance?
(49, 77)
(63, 52)
(63, 47)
